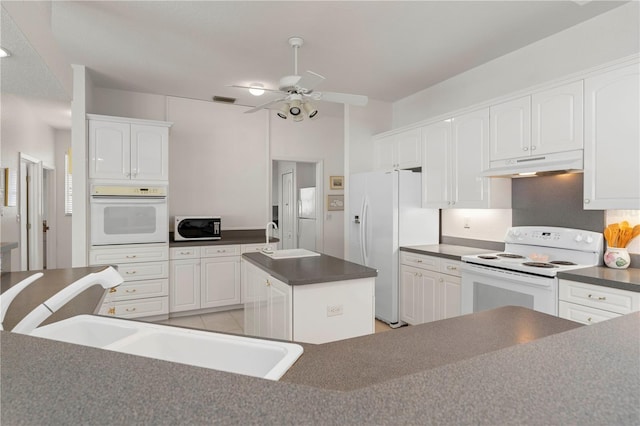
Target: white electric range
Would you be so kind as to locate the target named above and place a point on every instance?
(525, 273)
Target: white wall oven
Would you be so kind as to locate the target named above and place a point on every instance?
(128, 215)
(525, 273)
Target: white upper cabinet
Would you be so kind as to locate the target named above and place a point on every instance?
(121, 150)
(399, 151)
(612, 140)
(546, 122)
(511, 129)
(557, 119)
(455, 152)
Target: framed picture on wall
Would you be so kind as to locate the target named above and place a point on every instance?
(336, 182)
(335, 203)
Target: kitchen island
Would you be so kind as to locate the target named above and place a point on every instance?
(314, 299)
(575, 375)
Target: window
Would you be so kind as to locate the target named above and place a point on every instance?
(68, 184)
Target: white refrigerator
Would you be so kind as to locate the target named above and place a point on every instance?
(385, 213)
(307, 218)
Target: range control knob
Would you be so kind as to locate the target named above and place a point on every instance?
(578, 238)
(589, 239)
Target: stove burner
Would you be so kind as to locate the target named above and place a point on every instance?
(510, 256)
(486, 257)
(539, 264)
(563, 263)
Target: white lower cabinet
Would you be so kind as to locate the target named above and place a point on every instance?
(204, 277)
(429, 288)
(589, 304)
(145, 269)
(311, 313)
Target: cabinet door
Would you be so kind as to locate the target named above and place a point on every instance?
(411, 290)
(470, 136)
(149, 152)
(511, 129)
(449, 296)
(254, 289)
(436, 165)
(556, 119)
(384, 153)
(612, 132)
(184, 279)
(109, 150)
(220, 281)
(430, 296)
(408, 146)
(280, 310)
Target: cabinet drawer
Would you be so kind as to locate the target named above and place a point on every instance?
(144, 271)
(140, 289)
(250, 248)
(184, 252)
(583, 314)
(450, 267)
(128, 254)
(609, 299)
(215, 251)
(137, 308)
(419, 261)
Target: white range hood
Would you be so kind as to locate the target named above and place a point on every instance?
(569, 161)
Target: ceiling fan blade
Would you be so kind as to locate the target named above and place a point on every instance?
(310, 80)
(265, 105)
(344, 98)
(249, 87)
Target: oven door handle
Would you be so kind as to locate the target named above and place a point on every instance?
(520, 277)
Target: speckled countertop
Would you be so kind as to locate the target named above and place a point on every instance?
(624, 279)
(447, 251)
(587, 375)
(248, 236)
(310, 270)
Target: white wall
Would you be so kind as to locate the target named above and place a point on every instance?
(63, 222)
(218, 163)
(364, 122)
(22, 131)
(129, 104)
(605, 38)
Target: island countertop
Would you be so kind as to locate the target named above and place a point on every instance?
(587, 375)
(310, 270)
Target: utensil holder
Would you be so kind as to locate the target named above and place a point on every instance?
(617, 258)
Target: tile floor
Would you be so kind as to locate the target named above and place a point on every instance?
(228, 321)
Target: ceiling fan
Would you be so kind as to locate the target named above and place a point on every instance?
(298, 91)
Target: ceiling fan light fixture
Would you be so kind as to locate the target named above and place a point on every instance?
(310, 110)
(294, 108)
(256, 89)
(298, 117)
(283, 112)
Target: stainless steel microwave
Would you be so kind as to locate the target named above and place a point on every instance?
(197, 228)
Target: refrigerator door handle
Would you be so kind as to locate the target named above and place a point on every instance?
(363, 231)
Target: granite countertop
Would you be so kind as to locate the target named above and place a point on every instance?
(310, 270)
(623, 279)
(447, 251)
(587, 375)
(8, 246)
(53, 280)
(247, 236)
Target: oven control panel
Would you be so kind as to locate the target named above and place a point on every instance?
(567, 238)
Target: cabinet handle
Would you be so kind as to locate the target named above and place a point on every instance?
(222, 251)
(111, 311)
(440, 279)
(452, 268)
(587, 201)
(589, 319)
(113, 290)
(130, 272)
(130, 291)
(533, 148)
(130, 310)
(185, 252)
(131, 257)
(418, 260)
(525, 148)
(591, 296)
(268, 283)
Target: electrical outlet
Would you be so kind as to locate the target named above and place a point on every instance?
(334, 310)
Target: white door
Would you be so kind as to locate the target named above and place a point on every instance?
(184, 276)
(109, 150)
(30, 202)
(511, 129)
(436, 165)
(149, 152)
(287, 204)
(220, 281)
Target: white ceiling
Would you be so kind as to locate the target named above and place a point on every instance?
(386, 50)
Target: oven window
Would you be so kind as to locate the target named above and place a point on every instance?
(489, 297)
(128, 220)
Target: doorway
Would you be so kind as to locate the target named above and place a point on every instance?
(297, 203)
(36, 183)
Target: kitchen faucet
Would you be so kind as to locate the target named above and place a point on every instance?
(266, 234)
(107, 277)
(7, 297)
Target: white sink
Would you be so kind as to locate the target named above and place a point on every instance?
(290, 253)
(235, 354)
